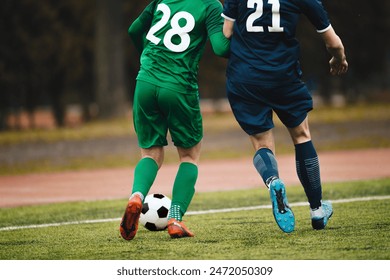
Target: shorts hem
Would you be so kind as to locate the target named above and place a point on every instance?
(259, 131)
(152, 145)
(187, 145)
(297, 122)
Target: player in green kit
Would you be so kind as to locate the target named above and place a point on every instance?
(171, 35)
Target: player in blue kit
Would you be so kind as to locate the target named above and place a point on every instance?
(264, 76)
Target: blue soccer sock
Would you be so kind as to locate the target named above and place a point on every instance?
(308, 170)
(266, 165)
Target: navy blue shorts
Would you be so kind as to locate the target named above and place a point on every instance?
(252, 105)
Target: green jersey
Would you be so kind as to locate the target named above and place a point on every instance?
(176, 33)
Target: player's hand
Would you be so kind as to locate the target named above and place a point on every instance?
(338, 67)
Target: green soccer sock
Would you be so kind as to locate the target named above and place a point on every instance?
(144, 174)
(183, 190)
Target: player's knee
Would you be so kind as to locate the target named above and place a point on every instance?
(189, 154)
(301, 137)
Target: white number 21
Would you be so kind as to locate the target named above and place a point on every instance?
(250, 27)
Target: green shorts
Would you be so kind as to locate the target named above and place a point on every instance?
(157, 110)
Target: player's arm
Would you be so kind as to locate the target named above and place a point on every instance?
(338, 63)
(229, 14)
(138, 29)
(214, 23)
(137, 33)
(220, 44)
(318, 16)
(228, 28)
(220, 41)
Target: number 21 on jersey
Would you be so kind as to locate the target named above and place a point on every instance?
(175, 29)
(258, 13)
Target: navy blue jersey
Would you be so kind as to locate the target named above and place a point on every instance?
(264, 49)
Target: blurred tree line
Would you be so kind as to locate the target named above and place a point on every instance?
(54, 53)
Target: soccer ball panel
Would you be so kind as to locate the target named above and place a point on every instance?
(155, 210)
(145, 208)
(162, 212)
(158, 195)
(151, 226)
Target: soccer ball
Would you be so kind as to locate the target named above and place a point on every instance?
(154, 214)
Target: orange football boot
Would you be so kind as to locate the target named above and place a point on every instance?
(129, 224)
(177, 229)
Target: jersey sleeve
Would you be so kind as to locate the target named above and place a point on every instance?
(316, 13)
(214, 22)
(230, 10)
(137, 30)
(220, 44)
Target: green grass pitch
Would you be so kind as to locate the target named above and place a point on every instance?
(359, 230)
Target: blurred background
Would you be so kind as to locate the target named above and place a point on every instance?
(63, 57)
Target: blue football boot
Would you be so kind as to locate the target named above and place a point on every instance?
(321, 216)
(283, 215)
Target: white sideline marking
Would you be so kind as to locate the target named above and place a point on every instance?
(189, 213)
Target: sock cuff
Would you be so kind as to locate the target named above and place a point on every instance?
(189, 164)
(149, 160)
(139, 194)
(306, 150)
(261, 151)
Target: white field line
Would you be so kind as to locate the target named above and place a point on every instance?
(202, 212)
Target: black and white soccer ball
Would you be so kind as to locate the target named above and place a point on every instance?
(154, 214)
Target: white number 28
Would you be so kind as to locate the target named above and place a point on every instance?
(176, 29)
